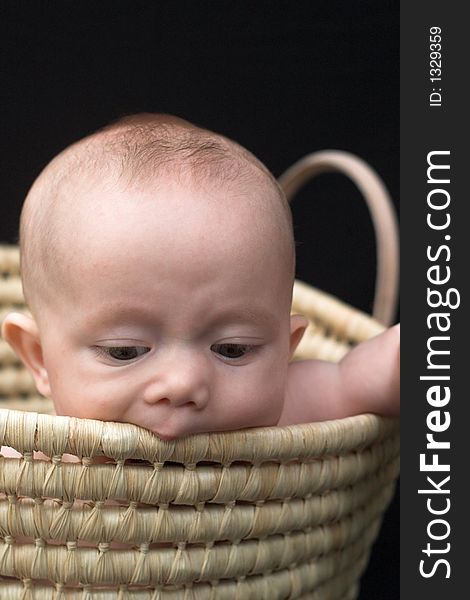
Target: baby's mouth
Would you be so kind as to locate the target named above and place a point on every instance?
(165, 437)
(172, 425)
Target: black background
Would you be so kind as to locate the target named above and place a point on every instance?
(282, 78)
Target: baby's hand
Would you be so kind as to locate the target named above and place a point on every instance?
(366, 380)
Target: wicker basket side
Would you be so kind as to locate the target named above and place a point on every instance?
(267, 512)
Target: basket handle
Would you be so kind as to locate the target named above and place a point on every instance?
(380, 207)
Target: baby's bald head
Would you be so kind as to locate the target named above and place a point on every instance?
(135, 154)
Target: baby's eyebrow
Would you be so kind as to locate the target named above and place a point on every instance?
(118, 315)
(245, 315)
(259, 316)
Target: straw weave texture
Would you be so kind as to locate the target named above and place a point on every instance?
(109, 511)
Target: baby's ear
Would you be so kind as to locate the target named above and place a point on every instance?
(21, 332)
(298, 325)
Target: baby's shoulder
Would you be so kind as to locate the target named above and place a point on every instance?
(304, 380)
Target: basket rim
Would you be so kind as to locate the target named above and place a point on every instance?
(55, 435)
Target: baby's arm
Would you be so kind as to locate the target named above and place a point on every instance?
(367, 379)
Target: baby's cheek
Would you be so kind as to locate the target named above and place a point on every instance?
(257, 402)
(85, 400)
(274, 393)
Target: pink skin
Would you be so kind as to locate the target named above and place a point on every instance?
(176, 279)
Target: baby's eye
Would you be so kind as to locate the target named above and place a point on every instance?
(231, 350)
(122, 352)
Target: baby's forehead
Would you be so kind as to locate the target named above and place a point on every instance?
(184, 208)
(186, 239)
(112, 225)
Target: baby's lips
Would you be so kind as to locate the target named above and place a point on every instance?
(165, 438)
(171, 429)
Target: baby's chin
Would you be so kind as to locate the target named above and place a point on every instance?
(166, 437)
(170, 434)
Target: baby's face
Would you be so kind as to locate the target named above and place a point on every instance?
(174, 313)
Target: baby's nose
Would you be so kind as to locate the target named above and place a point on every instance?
(180, 382)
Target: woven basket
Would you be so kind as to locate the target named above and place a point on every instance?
(259, 514)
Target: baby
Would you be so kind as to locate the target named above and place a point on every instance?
(158, 263)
